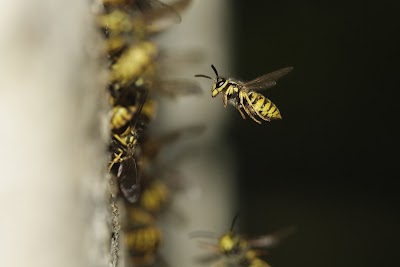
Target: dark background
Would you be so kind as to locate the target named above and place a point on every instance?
(330, 166)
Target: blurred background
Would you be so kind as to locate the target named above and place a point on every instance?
(330, 167)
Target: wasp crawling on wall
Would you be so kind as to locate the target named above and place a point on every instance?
(244, 95)
(124, 147)
(125, 22)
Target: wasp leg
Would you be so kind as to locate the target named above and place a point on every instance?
(239, 106)
(242, 103)
(251, 115)
(253, 111)
(224, 100)
(262, 117)
(117, 137)
(245, 108)
(117, 158)
(241, 112)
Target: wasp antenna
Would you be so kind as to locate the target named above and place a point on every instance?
(204, 76)
(139, 110)
(234, 221)
(215, 70)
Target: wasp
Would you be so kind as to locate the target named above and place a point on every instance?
(132, 64)
(124, 107)
(142, 237)
(143, 5)
(234, 249)
(121, 116)
(122, 27)
(136, 68)
(124, 154)
(155, 195)
(244, 95)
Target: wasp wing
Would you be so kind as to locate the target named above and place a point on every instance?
(207, 258)
(271, 240)
(267, 80)
(154, 9)
(152, 147)
(173, 136)
(128, 178)
(178, 87)
(203, 234)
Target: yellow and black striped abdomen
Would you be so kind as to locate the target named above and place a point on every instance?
(142, 236)
(251, 259)
(120, 118)
(263, 106)
(143, 240)
(154, 197)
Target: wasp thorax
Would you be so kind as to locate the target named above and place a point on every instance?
(230, 244)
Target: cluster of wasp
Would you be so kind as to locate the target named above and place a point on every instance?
(128, 27)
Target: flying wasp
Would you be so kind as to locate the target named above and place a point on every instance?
(233, 249)
(124, 154)
(244, 95)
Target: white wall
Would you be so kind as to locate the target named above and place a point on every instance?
(52, 150)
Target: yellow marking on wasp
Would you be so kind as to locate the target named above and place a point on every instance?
(214, 93)
(230, 90)
(259, 103)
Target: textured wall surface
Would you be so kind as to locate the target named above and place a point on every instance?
(52, 188)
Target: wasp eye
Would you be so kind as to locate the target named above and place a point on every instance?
(220, 83)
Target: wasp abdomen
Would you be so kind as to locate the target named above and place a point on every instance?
(146, 239)
(263, 106)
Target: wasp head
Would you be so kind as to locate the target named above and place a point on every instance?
(219, 83)
(231, 244)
